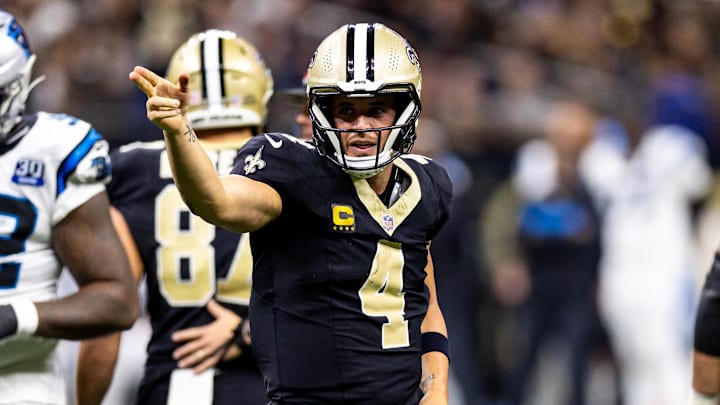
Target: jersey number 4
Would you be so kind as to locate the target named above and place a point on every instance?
(382, 295)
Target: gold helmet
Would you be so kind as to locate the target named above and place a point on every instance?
(364, 60)
(230, 86)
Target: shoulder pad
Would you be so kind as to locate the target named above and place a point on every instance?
(95, 166)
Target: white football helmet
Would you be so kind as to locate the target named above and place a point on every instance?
(364, 60)
(16, 62)
(230, 86)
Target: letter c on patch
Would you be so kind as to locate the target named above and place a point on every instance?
(343, 215)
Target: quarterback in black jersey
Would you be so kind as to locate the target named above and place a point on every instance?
(343, 307)
(705, 388)
(198, 276)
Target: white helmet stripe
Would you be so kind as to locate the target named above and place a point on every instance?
(211, 50)
(360, 45)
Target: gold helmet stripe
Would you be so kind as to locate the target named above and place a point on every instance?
(213, 87)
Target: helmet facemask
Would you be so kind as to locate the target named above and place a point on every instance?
(364, 60)
(400, 136)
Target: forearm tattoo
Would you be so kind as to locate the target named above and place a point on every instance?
(190, 134)
(425, 382)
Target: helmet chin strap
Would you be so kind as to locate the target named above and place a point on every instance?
(358, 172)
(363, 174)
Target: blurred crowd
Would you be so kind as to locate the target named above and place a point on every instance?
(580, 135)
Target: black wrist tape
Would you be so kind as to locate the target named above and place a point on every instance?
(8, 321)
(435, 342)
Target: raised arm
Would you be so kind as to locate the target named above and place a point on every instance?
(435, 360)
(233, 202)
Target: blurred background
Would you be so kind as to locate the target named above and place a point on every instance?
(581, 137)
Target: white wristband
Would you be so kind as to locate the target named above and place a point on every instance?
(697, 398)
(27, 317)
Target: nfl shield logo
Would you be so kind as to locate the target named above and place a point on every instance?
(388, 222)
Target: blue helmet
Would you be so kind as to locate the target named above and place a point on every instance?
(16, 61)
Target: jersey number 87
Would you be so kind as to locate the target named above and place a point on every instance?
(193, 244)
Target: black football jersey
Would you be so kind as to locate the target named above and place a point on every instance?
(339, 289)
(187, 261)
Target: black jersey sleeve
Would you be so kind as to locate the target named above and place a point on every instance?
(133, 166)
(440, 186)
(279, 160)
(120, 167)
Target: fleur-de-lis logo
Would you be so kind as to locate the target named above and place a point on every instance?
(412, 55)
(254, 162)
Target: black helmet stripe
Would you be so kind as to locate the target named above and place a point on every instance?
(350, 51)
(221, 67)
(202, 66)
(360, 50)
(370, 64)
(211, 65)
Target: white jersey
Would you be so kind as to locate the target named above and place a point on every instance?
(647, 270)
(645, 199)
(58, 165)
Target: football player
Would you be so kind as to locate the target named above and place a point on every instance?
(343, 306)
(706, 346)
(198, 276)
(54, 211)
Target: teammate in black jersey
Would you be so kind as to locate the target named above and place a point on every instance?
(343, 307)
(198, 276)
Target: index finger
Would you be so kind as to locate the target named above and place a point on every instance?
(187, 334)
(144, 79)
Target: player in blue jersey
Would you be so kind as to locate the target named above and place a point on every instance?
(343, 307)
(53, 213)
(197, 275)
